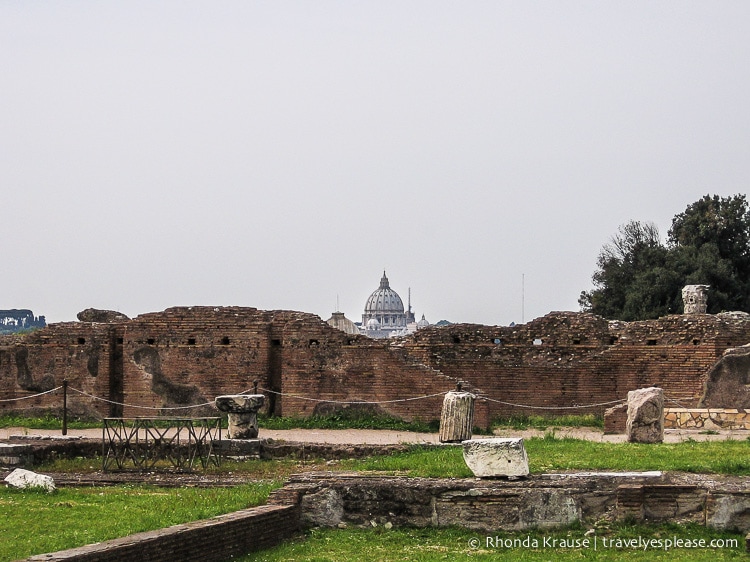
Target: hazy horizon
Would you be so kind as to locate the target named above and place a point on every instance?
(281, 155)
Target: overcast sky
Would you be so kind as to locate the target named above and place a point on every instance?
(281, 155)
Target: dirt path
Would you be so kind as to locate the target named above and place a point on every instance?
(389, 437)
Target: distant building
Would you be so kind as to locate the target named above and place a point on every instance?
(12, 321)
(341, 322)
(385, 316)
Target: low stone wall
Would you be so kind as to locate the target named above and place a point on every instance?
(216, 539)
(540, 501)
(701, 418)
(684, 418)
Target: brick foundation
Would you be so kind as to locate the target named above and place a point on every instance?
(210, 540)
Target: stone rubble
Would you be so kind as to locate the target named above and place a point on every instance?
(23, 479)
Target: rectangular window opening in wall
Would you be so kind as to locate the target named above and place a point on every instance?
(81, 341)
(537, 341)
(225, 340)
(313, 343)
(696, 342)
(276, 343)
(576, 341)
(613, 340)
(497, 341)
(456, 339)
(191, 341)
(150, 341)
(119, 341)
(651, 342)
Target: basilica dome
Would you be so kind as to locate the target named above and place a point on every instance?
(384, 312)
(384, 300)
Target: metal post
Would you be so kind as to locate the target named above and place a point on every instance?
(65, 407)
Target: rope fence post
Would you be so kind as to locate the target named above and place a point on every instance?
(65, 407)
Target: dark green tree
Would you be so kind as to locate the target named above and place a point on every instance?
(633, 280)
(709, 244)
(638, 277)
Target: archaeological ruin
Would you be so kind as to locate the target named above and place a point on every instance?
(186, 356)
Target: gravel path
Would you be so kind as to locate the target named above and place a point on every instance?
(389, 437)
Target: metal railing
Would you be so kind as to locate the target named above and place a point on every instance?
(153, 443)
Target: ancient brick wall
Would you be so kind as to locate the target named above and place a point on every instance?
(216, 539)
(186, 356)
(189, 355)
(40, 361)
(569, 359)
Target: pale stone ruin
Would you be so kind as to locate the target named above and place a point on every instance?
(645, 415)
(491, 458)
(242, 411)
(457, 416)
(21, 478)
(695, 298)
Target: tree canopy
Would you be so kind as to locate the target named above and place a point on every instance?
(639, 277)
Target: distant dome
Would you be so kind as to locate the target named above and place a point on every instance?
(384, 314)
(384, 300)
(423, 323)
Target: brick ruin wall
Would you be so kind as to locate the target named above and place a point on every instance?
(568, 359)
(186, 356)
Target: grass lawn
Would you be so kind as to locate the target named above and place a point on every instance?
(35, 522)
(427, 545)
(549, 454)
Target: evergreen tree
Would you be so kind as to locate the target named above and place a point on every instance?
(638, 277)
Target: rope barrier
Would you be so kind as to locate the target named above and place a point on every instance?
(141, 407)
(353, 401)
(32, 396)
(555, 407)
(297, 397)
(440, 394)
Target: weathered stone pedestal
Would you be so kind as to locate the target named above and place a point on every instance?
(457, 417)
(645, 415)
(492, 458)
(242, 411)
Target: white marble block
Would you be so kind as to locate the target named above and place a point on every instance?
(21, 478)
(489, 458)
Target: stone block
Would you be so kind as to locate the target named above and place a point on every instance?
(21, 478)
(728, 511)
(490, 458)
(645, 415)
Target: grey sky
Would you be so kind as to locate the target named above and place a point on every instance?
(278, 154)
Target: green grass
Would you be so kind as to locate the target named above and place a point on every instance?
(546, 454)
(348, 419)
(552, 454)
(34, 522)
(255, 469)
(544, 422)
(427, 545)
(343, 420)
(47, 421)
(38, 522)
